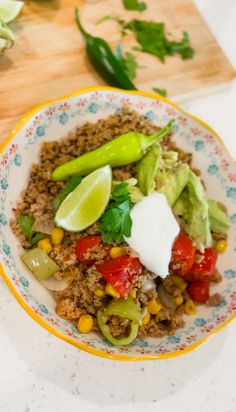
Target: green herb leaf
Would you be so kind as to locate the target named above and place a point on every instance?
(128, 62)
(135, 5)
(120, 193)
(26, 224)
(36, 237)
(72, 183)
(116, 222)
(152, 38)
(162, 92)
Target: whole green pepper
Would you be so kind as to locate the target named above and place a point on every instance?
(125, 149)
(104, 61)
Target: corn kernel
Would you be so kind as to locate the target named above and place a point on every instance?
(116, 252)
(146, 319)
(179, 282)
(85, 324)
(185, 295)
(154, 307)
(179, 300)
(221, 245)
(45, 245)
(111, 291)
(190, 308)
(99, 292)
(133, 294)
(57, 236)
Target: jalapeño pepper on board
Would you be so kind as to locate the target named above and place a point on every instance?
(103, 60)
(125, 149)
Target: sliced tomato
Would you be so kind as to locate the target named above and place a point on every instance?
(120, 272)
(199, 291)
(204, 265)
(183, 254)
(84, 245)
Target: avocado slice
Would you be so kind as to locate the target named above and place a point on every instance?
(172, 183)
(219, 220)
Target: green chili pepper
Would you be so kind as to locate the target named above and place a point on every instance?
(107, 333)
(103, 60)
(122, 150)
(126, 308)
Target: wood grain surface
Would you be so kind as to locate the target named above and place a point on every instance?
(48, 59)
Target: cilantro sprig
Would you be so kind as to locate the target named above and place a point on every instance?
(152, 39)
(26, 225)
(116, 221)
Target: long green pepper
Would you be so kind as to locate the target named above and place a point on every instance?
(123, 150)
(103, 60)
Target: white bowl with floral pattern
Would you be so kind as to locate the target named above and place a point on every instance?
(54, 120)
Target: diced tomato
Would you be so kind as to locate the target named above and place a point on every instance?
(84, 245)
(206, 266)
(120, 272)
(183, 254)
(199, 291)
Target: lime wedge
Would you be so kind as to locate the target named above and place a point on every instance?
(10, 9)
(6, 33)
(85, 205)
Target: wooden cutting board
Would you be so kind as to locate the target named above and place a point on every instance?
(48, 59)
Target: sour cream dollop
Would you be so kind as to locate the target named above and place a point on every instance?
(154, 229)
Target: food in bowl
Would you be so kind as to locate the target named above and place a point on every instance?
(116, 224)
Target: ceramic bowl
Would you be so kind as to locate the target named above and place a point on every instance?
(54, 120)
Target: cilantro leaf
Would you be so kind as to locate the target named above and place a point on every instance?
(128, 62)
(116, 222)
(26, 226)
(152, 39)
(120, 193)
(162, 92)
(135, 5)
(36, 237)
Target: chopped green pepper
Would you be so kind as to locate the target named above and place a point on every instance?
(125, 308)
(125, 149)
(107, 333)
(40, 264)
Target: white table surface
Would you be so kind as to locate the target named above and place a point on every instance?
(39, 372)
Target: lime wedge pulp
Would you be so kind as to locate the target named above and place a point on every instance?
(85, 205)
(10, 9)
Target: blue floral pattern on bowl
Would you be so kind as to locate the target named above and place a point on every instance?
(54, 120)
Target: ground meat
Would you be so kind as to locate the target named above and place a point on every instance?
(68, 309)
(214, 300)
(119, 327)
(219, 236)
(97, 253)
(65, 257)
(164, 323)
(217, 277)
